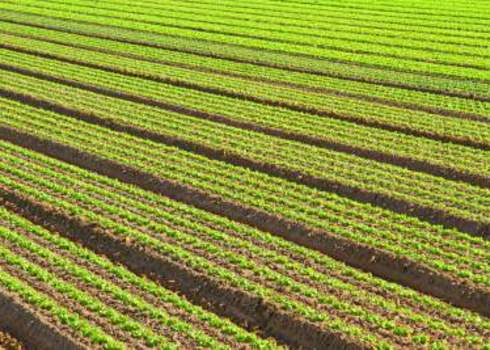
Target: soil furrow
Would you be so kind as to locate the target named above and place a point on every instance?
(409, 163)
(66, 301)
(171, 309)
(33, 328)
(245, 309)
(236, 269)
(159, 216)
(310, 301)
(429, 214)
(130, 201)
(105, 298)
(382, 264)
(261, 280)
(174, 176)
(243, 236)
(298, 69)
(250, 126)
(306, 300)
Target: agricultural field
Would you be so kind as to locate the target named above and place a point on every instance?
(231, 174)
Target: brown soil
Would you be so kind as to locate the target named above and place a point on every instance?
(247, 310)
(7, 342)
(71, 305)
(106, 298)
(380, 263)
(297, 257)
(426, 213)
(265, 262)
(150, 298)
(32, 330)
(171, 309)
(406, 162)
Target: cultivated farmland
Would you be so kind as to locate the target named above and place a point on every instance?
(273, 174)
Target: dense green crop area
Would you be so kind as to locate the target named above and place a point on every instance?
(245, 174)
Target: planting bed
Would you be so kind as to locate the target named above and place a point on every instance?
(296, 174)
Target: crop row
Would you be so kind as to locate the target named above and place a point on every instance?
(354, 43)
(399, 6)
(331, 106)
(418, 6)
(79, 268)
(464, 23)
(449, 53)
(310, 129)
(323, 164)
(173, 176)
(446, 105)
(351, 20)
(439, 85)
(446, 251)
(198, 254)
(56, 313)
(318, 28)
(459, 158)
(240, 259)
(430, 5)
(250, 39)
(432, 13)
(172, 125)
(143, 202)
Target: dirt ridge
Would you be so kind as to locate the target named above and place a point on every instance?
(425, 213)
(380, 263)
(30, 328)
(249, 311)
